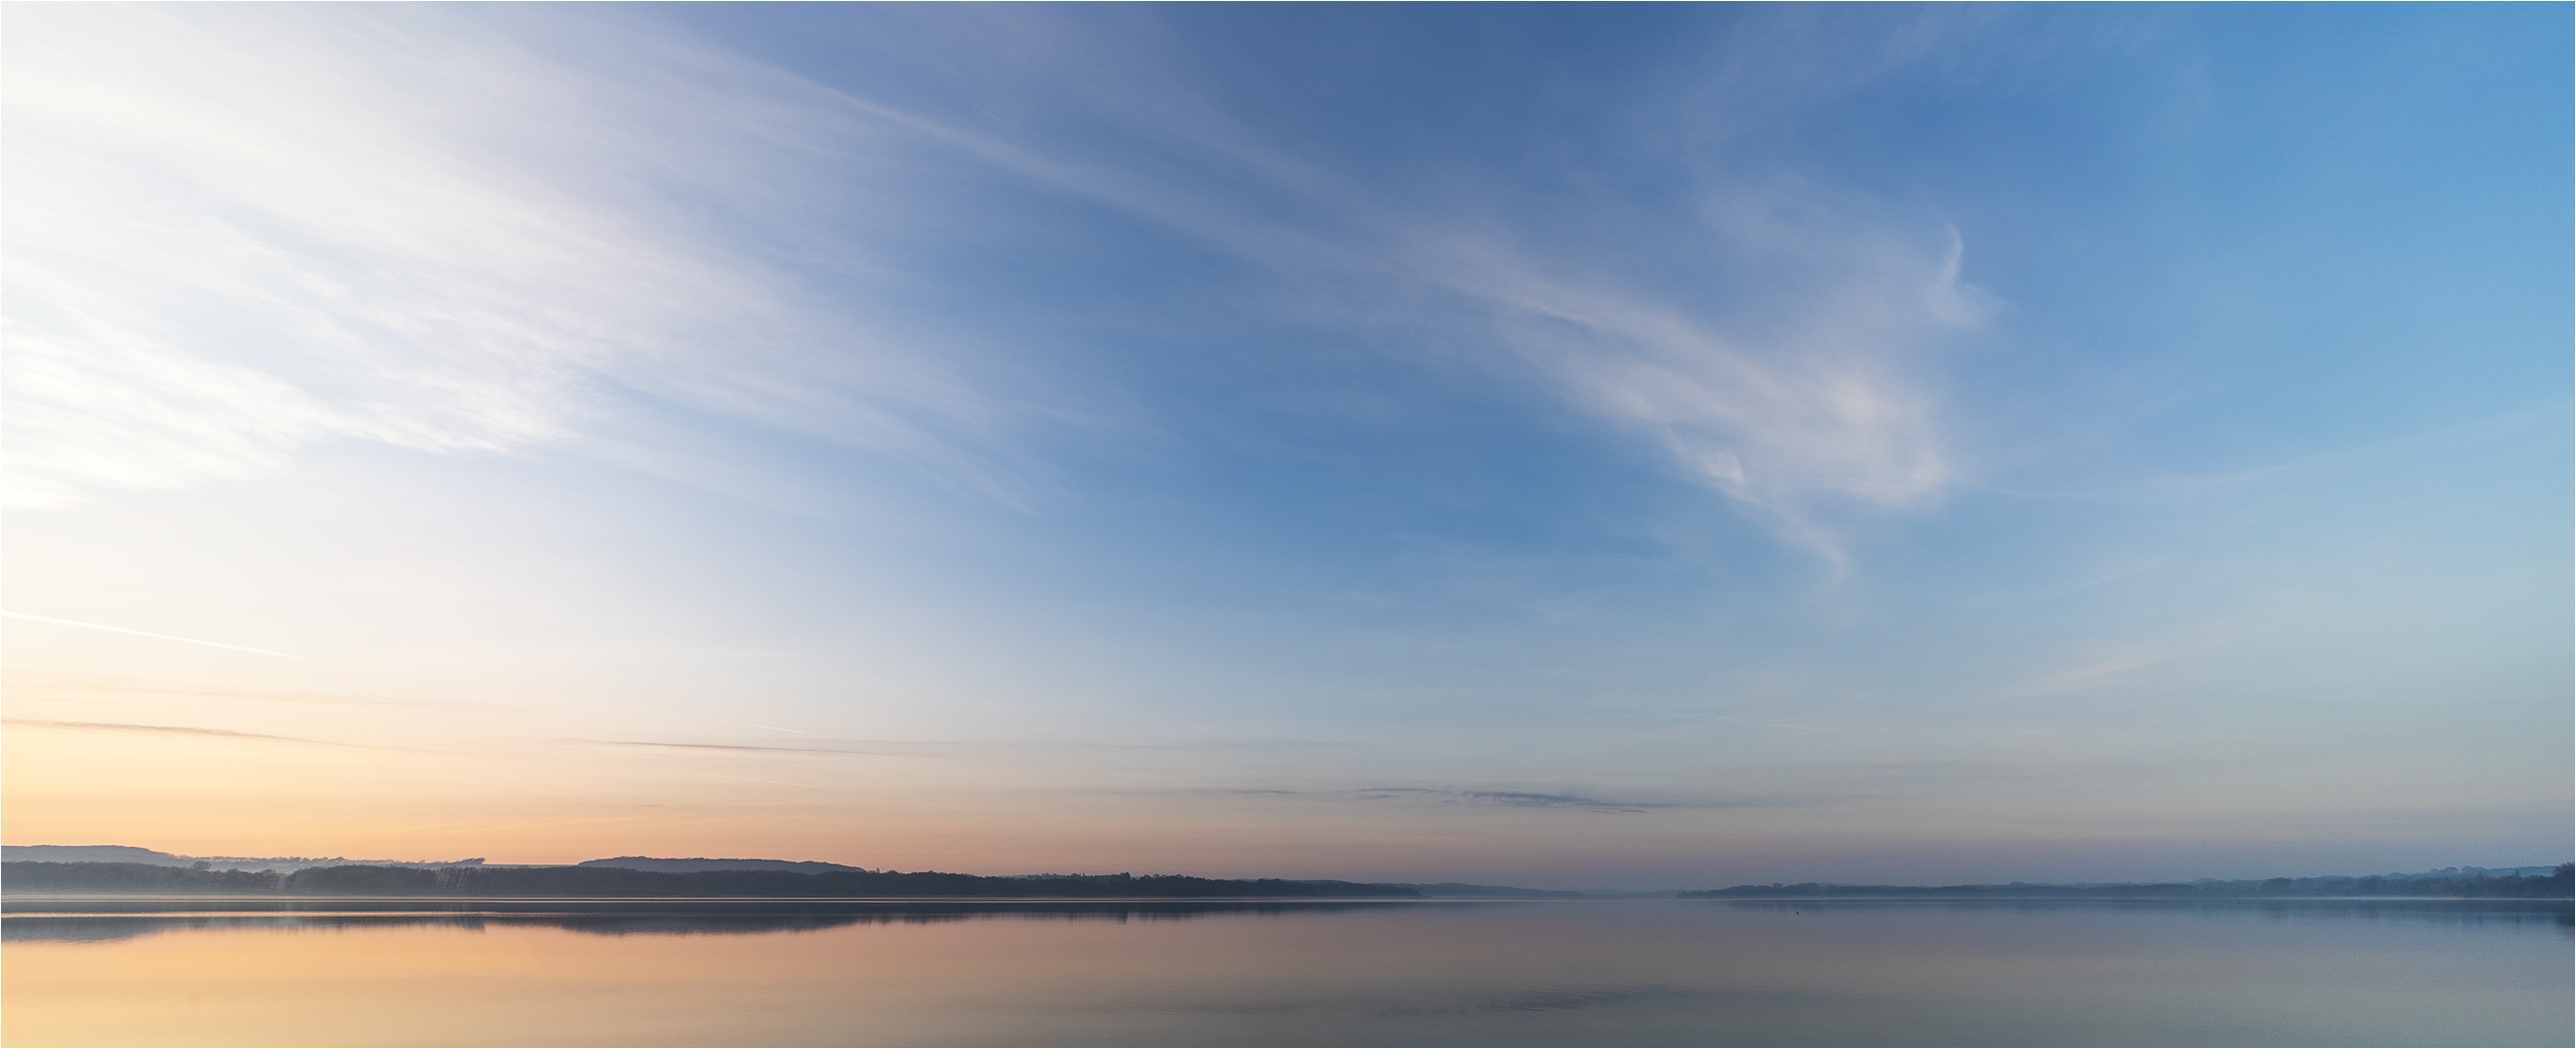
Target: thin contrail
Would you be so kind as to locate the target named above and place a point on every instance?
(147, 633)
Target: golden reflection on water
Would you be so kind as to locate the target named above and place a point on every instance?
(1586, 972)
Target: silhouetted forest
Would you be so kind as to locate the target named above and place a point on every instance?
(361, 880)
(2556, 885)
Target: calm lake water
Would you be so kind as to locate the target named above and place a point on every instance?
(1647, 972)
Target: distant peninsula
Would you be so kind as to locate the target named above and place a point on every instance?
(21, 877)
(125, 870)
(2525, 883)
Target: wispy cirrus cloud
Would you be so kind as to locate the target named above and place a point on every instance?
(1817, 400)
(237, 235)
(172, 730)
(1506, 798)
(233, 235)
(1525, 800)
(1794, 378)
(747, 748)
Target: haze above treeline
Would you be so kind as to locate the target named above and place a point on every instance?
(127, 870)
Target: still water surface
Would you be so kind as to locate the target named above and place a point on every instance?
(1586, 972)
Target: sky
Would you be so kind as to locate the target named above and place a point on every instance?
(1567, 446)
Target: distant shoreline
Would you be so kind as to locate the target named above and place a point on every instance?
(14, 899)
(27, 877)
(118, 872)
(112, 897)
(18, 908)
(2556, 885)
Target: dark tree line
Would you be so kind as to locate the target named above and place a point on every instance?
(2557, 885)
(362, 880)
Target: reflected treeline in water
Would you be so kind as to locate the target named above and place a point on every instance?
(2560, 913)
(362, 971)
(103, 920)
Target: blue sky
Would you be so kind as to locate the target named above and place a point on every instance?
(1615, 446)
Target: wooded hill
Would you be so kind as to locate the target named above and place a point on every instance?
(19, 877)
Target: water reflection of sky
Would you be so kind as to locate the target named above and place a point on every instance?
(2559, 913)
(92, 921)
(1584, 972)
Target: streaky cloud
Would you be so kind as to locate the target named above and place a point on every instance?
(458, 276)
(303, 226)
(146, 633)
(1505, 798)
(1825, 404)
(1524, 800)
(742, 748)
(176, 730)
(1818, 400)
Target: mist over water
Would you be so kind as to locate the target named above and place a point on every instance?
(1647, 972)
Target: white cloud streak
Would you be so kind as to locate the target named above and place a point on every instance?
(236, 233)
(1829, 406)
(1812, 401)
